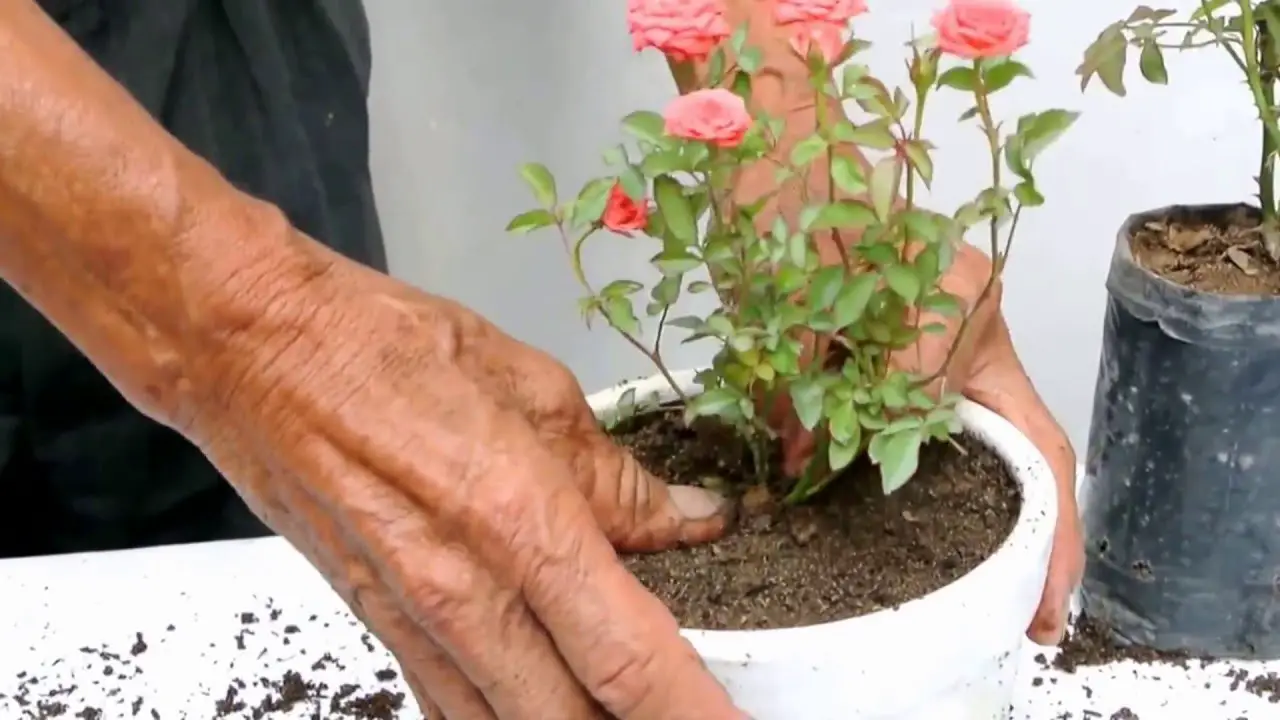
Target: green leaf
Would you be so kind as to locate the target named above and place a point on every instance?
(848, 176)
(959, 78)
(663, 162)
(918, 155)
(922, 225)
(898, 456)
(842, 422)
(645, 125)
(1151, 63)
(530, 221)
(1042, 129)
(848, 214)
(806, 399)
(688, 322)
(825, 286)
(1144, 13)
(807, 150)
(675, 261)
(941, 302)
(1106, 59)
(1208, 8)
(998, 75)
(902, 281)
(876, 135)
(749, 60)
(853, 298)
(633, 183)
(621, 288)
(885, 178)
(840, 455)
(676, 212)
(1027, 195)
(716, 401)
(591, 201)
(621, 314)
(540, 181)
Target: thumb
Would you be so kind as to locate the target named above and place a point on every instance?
(638, 511)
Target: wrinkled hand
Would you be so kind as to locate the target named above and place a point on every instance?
(452, 485)
(986, 369)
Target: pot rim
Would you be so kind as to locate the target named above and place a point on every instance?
(1026, 546)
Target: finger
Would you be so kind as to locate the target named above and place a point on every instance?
(488, 633)
(619, 640)
(636, 510)
(1001, 384)
(1050, 621)
(1066, 567)
(422, 663)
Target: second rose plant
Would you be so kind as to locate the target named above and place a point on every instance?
(673, 186)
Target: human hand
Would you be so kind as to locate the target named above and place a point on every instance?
(986, 369)
(453, 487)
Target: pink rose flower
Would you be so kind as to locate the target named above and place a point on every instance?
(826, 37)
(622, 214)
(981, 28)
(680, 29)
(715, 116)
(827, 11)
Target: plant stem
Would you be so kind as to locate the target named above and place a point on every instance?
(993, 144)
(1263, 98)
(654, 355)
(820, 121)
(1267, 76)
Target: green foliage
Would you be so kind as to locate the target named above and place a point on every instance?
(1247, 31)
(858, 267)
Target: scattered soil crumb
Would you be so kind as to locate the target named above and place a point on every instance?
(1090, 644)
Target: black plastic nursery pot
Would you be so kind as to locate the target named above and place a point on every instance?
(1182, 513)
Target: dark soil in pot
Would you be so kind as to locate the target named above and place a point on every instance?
(1213, 249)
(848, 552)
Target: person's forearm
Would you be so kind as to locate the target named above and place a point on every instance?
(123, 238)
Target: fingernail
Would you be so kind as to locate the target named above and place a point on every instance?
(696, 503)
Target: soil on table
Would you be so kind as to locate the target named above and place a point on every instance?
(848, 552)
(250, 697)
(1090, 644)
(1223, 252)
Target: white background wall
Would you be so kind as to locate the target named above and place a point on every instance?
(464, 91)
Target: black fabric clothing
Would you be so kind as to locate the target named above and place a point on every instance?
(273, 93)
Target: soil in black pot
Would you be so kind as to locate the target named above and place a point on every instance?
(848, 552)
(1219, 251)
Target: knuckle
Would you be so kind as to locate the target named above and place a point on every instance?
(439, 589)
(624, 684)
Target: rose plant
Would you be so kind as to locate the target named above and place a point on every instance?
(1199, 282)
(1245, 30)
(675, 187)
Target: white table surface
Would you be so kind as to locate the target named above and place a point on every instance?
(56, 613)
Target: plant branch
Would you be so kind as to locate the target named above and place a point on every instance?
(993, 144)
(654, 356)
(1263, 98)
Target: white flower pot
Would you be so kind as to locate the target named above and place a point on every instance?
(951, 655)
